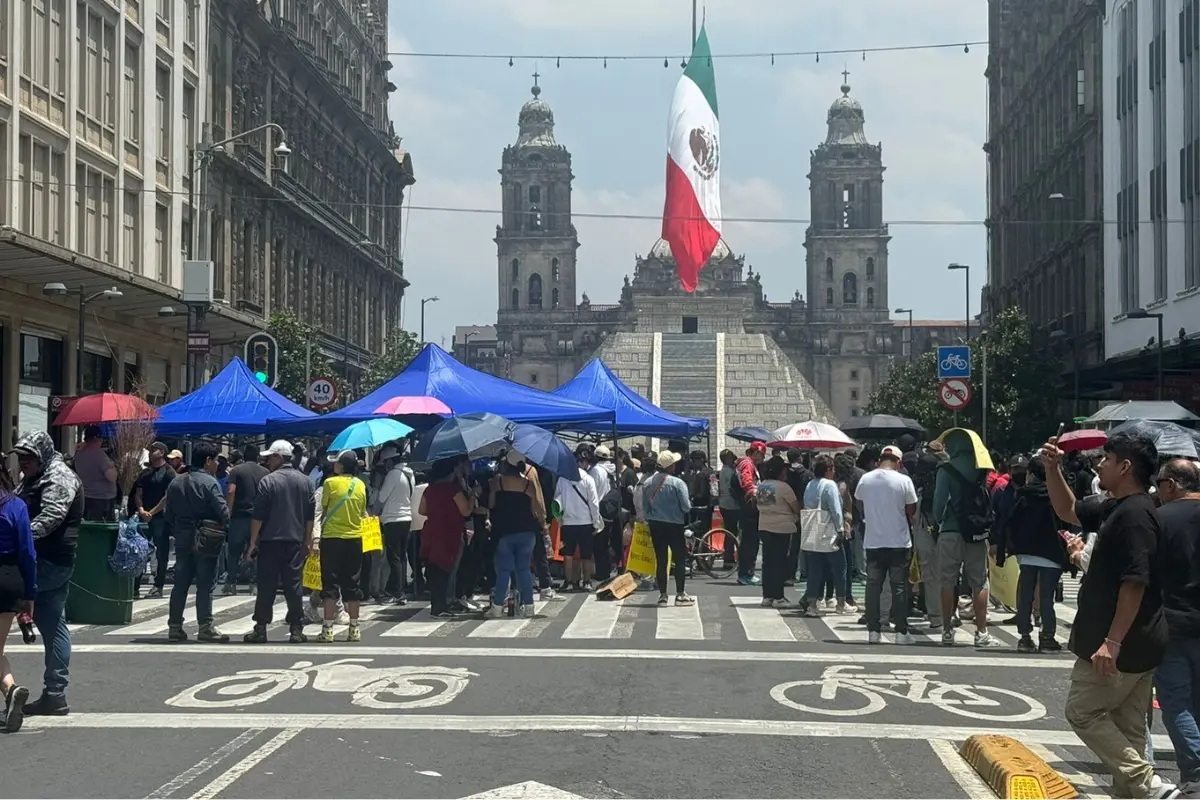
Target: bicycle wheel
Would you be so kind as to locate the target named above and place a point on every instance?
(967, 701)
(708, 553)
(874, 702)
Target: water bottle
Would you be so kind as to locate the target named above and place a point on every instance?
(26, 623)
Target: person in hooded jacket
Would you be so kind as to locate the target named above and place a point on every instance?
(54, 496)
(1029, 531)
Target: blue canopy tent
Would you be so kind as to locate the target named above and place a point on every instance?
(233, 402)
(636, 416)
(435, 373)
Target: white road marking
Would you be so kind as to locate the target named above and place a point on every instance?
(595, 620)
(960, 770)
(159, 624)
(1097, 785)
(249, 762)
(540, 722)
(243, 625)
(680, 622)
(505, 628)
(891, 655)
(529, 790)
(204, 765)
(420, 624)
(761, 624)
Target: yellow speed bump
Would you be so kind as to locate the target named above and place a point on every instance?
(1013, 771)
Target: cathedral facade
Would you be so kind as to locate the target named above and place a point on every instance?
(774, 362)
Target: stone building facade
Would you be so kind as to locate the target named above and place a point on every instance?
(723, 352)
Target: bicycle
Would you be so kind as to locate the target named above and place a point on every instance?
(954, 362)
(706, 552)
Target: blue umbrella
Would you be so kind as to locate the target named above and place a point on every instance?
(546, 450)
(750, 434)
(479, 434)
(370, 433)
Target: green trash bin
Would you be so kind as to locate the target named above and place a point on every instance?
(98, 595)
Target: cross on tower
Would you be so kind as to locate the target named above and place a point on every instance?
(535, 77)
(845, 75)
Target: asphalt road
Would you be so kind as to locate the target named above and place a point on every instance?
(632, 701)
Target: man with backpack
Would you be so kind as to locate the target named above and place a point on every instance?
(962, 511)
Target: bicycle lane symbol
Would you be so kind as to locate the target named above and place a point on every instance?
(863, 694)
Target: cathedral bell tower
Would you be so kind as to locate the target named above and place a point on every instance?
(847, 241)
(536, 242)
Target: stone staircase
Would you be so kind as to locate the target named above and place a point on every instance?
(689, 375)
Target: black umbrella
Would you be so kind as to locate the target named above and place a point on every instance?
(1169, 439)
(881, 426)
(749, 433)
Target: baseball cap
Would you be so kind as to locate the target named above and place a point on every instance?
(603, 452)
(1018, 462)
(760, 447)
(667, 459)
(175, 454)
(281, 447)
(157, 446)
(891, 451)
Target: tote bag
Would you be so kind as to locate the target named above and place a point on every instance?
(817, 531)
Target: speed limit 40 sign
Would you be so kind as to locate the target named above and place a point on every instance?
(322, 393)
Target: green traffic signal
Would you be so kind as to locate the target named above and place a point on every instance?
(262, 377)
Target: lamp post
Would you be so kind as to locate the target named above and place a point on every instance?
(967, 312)
(61, 290)
(1141, 313)
(425, 300)
(908, 311)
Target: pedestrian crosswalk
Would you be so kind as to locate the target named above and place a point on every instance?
(720, 618)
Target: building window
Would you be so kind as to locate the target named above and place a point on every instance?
(870, 297)
(162, 98)
(535, 218)
(535, 291)
(1158, 173)
(41, 360)
(554, 297)
(1189, 153)
(870, 267)
(533, 378)
(854, 395)
(849, 289)
(829, 296)
(41, 176)
(162, 241)
(829, 268)
(535, 194)
(516, 298)
(133, 96)
(1127, 197)
(691, 324)
(516, 269)
(97, 373)
(95, 107)
(94, 200)
(554, 274)
(131, 235)
(853, 374)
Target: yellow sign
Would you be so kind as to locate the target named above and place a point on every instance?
(312, 572)
(372, 535)
(1002, 581)
(641, 552)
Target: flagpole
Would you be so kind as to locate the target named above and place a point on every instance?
(694, 24)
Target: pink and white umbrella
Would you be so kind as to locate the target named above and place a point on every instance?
(414, 404)
(811, 435)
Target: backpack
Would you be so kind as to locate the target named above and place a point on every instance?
(974, 512)
(132, 551)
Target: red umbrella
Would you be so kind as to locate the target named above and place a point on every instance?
(1076, 441)
(97, 409)
(414, 404)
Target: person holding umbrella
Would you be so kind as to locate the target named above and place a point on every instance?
(518, 516)
(446, 504)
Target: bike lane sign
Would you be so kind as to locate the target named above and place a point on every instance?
(954, 362)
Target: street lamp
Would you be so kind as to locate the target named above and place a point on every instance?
(967, 269)
(908, 311)
(61, 290)
(1141, 313)
(425, 300)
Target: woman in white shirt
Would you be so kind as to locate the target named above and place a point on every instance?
(395, 516)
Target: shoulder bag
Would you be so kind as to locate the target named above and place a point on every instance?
(818, 533)
(210, 533)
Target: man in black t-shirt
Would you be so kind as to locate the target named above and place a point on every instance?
(149, 493)
(243, 491)
(1120, 632)
(1179, 516)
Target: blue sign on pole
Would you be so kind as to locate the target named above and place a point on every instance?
(954, 362)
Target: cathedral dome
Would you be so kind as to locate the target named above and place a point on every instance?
(846, 120)
(662, 251)
(536, 121)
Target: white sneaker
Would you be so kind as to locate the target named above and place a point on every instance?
(528, 611)
(985, 639)
(493, 611)
(767, 602)
(905, 638)
(874, 637)
(843, 608)
(1162, 790)
(782, 602)
(831, 603)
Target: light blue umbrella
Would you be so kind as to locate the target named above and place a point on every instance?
(370, 433)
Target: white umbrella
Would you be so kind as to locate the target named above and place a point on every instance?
(812, 435)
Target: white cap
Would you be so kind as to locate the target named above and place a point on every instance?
(280, 447)
(667, 459)
(603, 452)
(514, 456)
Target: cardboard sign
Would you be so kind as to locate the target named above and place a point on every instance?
(1002, 581)
(372, 535)
(312, 572)
(618, 588)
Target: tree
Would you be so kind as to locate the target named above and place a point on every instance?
(1023, 387)
(294, 338)
(401, 348)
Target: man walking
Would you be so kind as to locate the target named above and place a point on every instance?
(54, 496)
(281, 536)
(1120, 633)
(888, 501)
(149, 497)
(243, 490)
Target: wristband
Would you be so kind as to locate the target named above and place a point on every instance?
(1112, 642)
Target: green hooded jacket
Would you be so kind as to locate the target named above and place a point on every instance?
(947, 490)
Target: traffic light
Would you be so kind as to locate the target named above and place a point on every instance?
(262, 356)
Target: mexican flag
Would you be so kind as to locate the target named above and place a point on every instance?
(692, 216)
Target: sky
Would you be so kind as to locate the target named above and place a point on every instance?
(927, 108)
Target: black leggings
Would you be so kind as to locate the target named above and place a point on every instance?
(775, 563)
(669, 535)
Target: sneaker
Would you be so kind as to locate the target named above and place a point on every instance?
(549, 594)
(47, 706)
(905, 638)
(862, 620)
(886, 626)
(1010, 621)
(354, 634)
(812, 611)
(847, 608)
(767, 602)
(256, 636)
(229, 589)
(442, 615)
(782, 602)
(830, 602)
(528, 611)
(985, 639)
(210, 634)
(948, 637)
(874, 637)
(493, 611)
(14, 709)
(663, 599)
(587, 587)
(401, 601)
(176, 634)
(296, 635)
(326, 634)
(1026, 645)
(1049, 644)
(750, 580)
(684, 599)
(1162, 790)
(935, 625)
(154, 592)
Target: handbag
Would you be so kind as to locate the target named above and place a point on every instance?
(817, 531)
(210, 534)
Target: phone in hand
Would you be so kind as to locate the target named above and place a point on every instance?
(1061, 427)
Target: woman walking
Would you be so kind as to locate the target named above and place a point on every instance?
(666, 506)
(344, 505)
(779, 518)
(518, 516)
(18, 588)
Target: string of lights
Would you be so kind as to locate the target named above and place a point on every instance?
(667, 59)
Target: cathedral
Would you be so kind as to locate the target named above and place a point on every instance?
(723, 353)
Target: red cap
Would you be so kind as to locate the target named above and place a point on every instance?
(760, 447)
